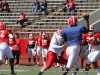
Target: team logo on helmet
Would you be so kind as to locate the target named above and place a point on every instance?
(72, 21)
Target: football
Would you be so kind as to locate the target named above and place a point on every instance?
(84, 14)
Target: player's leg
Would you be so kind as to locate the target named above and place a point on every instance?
(88, 61)
(51, 57)
(39, 50)
(17, 57)
(6, 59)
(1, 56)
(29, 56)
(34, 55)
(82, 55)
(76, 67)
(9, 54)
(44, 53)
(83, 50)
(62, 61)
(94, 58)
(72, 52)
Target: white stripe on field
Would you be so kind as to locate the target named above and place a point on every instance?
(15, 70)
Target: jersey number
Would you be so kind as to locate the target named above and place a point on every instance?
(44, 42)
(2, 33)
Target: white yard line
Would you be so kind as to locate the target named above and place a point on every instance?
(15, 70)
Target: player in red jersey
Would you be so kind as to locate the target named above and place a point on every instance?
(5, 34)
(38, 47)
(84, 47)
(16, 49)
(45, 41)
(93, 40)
(31, 49)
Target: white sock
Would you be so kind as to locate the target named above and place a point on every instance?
(73, 74)
(37, 62)
(57, 64)
(44, 62)
(86, 73)
(6, 61)
(98, 73)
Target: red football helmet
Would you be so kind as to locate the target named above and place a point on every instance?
(31, 36)
(91, 30)
(44, 34)
(2, 25)
(59, 31)
(91, 27)
(72, 21)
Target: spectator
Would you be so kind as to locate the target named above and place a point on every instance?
(44, 6)
(0, 6)
(5, 6)
(70, 6)
(36, 6)
(21, 19)
(64, 9)
(16, 49)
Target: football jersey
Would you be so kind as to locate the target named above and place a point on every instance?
(11, 43)
(56, 43)
(45, 42)
(31, 43)
(84, 42)
(38, 39)
(18, 41)
(94, 37)
(4, 35)
(73, 35)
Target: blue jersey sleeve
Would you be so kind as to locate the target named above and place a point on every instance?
(64, 35)
(84, 30)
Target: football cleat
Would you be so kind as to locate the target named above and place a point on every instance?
(13, 73)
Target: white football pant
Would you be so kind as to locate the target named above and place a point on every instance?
(72, 52)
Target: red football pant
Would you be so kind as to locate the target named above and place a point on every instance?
(52, 57)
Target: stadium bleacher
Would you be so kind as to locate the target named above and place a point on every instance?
(52, 20)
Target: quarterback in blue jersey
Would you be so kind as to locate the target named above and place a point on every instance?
(73, 36)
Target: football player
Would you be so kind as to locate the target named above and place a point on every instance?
(73, 36)
(5, 34)
(31, 49)
(84, 47)
(38, 47)
(93, 40)
(55, 50)
(44, 45)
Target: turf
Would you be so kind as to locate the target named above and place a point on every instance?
(31, 70)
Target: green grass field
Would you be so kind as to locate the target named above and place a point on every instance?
(31, 70)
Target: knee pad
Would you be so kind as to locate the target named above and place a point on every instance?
(12, 61)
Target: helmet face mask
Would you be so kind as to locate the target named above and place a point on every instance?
(91, 32)
(31, 36)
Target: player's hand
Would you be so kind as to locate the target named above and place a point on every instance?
(86, 17)
(16, 46)
(92, 40)
(64, 46)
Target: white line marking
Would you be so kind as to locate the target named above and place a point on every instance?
(95, 22)
(15, 70)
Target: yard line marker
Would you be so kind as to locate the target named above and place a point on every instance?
(15, 70)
